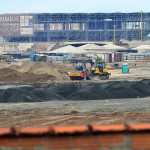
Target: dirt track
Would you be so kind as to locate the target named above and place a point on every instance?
(75, 113)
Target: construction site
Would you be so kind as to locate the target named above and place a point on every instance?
(41, 94)
(62, 89)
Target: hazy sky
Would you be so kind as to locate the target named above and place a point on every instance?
(60, 6)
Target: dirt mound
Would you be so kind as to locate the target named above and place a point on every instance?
(46, 94)
(92, 91)
(10, 75)
(109, 90)
(65, 89)
(143, 87)
(30, 77)
(123, 90)
(76, 91)
(14, 95)
(41, 70)
(33, 66)
(14, 67)
(17, 95)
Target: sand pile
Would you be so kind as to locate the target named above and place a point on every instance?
(40, 68)
(10, 75)
(74, 91)
(33, 72)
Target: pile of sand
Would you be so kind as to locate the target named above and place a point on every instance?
(10, 75)
(33, 72)
(40, 68)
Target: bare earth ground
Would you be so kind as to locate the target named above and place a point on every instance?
(75, 113)
(96, 112)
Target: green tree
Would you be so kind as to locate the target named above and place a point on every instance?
(98, 59)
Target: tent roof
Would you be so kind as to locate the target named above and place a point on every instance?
(112, 47)
(98, 52)
(90, 47)
(124, 41)
(69, 49)
(142, 47)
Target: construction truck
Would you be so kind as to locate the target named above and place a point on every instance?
(80, 72)
(98, 69)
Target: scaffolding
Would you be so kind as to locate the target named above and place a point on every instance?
(89, 26)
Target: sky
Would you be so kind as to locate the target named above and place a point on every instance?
(73, 6)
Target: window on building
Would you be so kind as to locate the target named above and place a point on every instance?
(56, 26)
(39, 27)
(131, 25)
(74, 26)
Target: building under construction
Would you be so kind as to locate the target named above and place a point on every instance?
(74, 26)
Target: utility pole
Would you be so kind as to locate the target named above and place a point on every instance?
(115, 34)
(141, 27)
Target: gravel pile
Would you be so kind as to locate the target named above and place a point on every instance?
(76, 91)
(89, 91)
(65, 89)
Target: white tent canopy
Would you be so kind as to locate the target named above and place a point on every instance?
(112, 47)
(69, 49)
(98, 52)
(124, 41)
(142, 47)
(90, 47)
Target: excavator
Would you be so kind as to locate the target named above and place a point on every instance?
(97, 69)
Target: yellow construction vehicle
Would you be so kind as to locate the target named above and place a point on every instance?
(99, 69)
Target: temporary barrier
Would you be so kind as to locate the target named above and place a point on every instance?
(132, 136)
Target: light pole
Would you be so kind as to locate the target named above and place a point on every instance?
(141, 27)
(114, 34)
